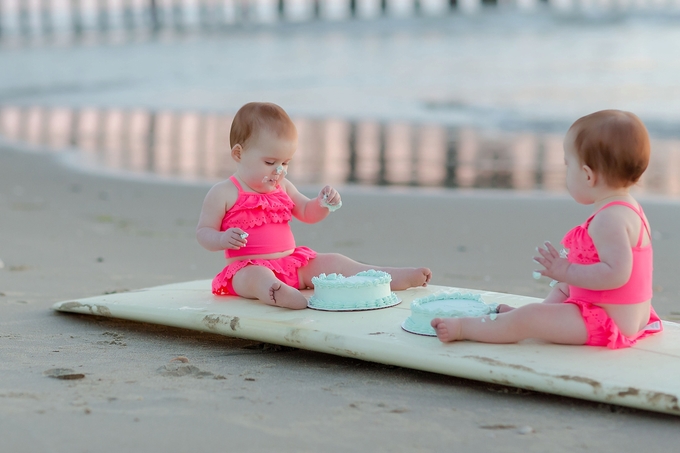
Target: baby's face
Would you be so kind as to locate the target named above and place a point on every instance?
(577, 182)
(264, 161)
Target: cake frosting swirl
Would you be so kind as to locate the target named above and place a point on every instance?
(445, 304)
(364, 291)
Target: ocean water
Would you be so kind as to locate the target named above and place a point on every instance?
(457, 100)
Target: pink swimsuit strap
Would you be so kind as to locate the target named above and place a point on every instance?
(277, 193)
(233, 179)
(637, 210)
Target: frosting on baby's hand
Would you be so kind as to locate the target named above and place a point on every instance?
(331, 207)
(564, 253)
(537, 275)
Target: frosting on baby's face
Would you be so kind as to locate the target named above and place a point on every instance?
(279, 174)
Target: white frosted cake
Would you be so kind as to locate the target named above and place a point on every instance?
(366, 290)
(449, 304)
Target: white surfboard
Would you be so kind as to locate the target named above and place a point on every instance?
(644, 376)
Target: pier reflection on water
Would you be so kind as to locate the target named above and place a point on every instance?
(195, 147)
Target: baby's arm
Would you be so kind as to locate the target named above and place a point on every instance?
(312, 211)
(215, 205)
(613, 243)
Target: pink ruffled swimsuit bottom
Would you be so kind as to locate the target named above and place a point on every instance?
(285, 269)
(603, 331)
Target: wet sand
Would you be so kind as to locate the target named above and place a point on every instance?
(68, 234)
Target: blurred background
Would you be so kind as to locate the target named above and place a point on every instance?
(471, 94)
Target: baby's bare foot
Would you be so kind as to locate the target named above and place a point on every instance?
(409, 277)
(503, 308)
(448, 329)
(283, 295)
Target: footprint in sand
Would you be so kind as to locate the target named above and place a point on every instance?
(180, 367)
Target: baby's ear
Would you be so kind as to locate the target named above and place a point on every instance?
(236, 152)
(591, 176)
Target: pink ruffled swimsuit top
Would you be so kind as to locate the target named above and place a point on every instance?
(582, 251)
(265, 217)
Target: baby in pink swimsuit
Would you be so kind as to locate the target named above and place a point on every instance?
(604, 293)
(602, 329)
(248, 217)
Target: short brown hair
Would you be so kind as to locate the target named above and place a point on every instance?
(614, 144)
(255, 116)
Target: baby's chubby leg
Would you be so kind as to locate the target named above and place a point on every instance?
(258, 282)
(329, 263)
(555, 323)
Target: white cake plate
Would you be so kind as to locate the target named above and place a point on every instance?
(411, 327)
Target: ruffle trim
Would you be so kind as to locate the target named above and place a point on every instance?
(618, 340)
(580, 246)
(596, 319)
(600, 326)
(251, 219)
(255, 209)
(287, 265)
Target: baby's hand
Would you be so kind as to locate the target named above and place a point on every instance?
(329, 198)
(234, 238)
(555, 265)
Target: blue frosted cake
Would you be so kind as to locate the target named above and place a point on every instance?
(364, 291)
(447, 304)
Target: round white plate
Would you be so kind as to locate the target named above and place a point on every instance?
(409, 326)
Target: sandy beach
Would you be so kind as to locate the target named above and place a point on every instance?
(69, 234)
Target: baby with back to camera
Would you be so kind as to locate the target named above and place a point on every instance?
(604, 290)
